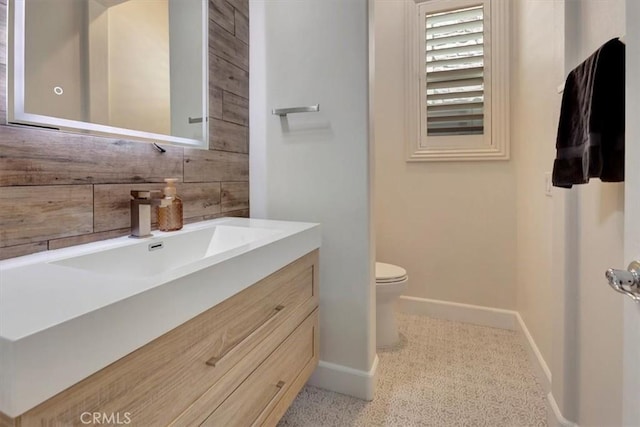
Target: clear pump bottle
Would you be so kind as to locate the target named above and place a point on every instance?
(170, 209)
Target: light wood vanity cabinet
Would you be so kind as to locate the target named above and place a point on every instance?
(240, 363)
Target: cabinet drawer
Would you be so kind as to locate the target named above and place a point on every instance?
(156, 383)
(251, 403)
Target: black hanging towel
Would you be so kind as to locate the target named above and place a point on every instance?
(590, 142)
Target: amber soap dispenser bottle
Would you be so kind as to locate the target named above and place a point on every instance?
(170, 209)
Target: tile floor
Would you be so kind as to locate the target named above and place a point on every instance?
(442, 374)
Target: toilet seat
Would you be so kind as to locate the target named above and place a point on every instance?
(389, 273)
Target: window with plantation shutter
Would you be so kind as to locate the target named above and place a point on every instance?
(461, 80)
(455, 72)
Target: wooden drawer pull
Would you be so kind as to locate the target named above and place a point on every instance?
(215, 359)
(260, 418)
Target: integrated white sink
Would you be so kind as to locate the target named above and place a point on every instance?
(159, 255)
(68, 313)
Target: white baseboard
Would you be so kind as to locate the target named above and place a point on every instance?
(478, 315)
(542, 371)
(554, 416)
(345, 380)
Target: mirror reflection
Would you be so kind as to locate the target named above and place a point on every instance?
(112, 66)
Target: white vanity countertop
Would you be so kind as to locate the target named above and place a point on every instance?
(59, 323)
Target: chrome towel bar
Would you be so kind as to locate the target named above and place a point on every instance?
(284, 111)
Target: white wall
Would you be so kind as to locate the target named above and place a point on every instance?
(565, 243)
(452, 225)
(315, 166)
(537, 69)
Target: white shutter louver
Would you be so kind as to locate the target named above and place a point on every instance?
(455, 72)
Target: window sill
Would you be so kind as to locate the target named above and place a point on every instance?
(460, 154)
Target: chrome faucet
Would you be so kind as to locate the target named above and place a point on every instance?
(141, 202)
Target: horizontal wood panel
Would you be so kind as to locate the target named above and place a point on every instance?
(87, 238)
(227, 76)
(30, 214)
(227, 46)
(235, 196)
(227, 136)
(215, 102)
(112, 205)
(112, 202)
(235, 109)
(20, 250)
(241, 6)
(222, 14)
(206, 166)
(242, 27)
(242, 213)
(44, 157)
(200, 199)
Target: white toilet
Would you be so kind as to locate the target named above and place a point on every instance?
(391, 281)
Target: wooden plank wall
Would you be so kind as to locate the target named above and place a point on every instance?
(59, 189)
